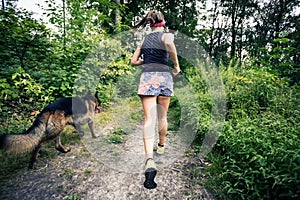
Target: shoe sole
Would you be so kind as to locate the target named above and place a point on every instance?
(160, 153)
(150, 175)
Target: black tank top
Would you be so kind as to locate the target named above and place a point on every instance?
(154, 50)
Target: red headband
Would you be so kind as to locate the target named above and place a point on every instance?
(162, 23)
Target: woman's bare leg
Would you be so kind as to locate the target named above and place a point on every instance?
(162, 110)
(150, 118)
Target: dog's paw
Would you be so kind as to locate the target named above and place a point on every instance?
(67, 149)
(81, 134)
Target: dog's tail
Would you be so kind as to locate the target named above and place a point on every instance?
(30, 138)
(18, 143)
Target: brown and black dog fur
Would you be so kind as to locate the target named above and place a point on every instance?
(49, 124)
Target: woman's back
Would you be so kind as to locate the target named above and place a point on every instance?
(154, 50)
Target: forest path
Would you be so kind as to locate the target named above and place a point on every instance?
(110, 167)
(77, 175)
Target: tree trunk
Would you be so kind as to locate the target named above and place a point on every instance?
(213, 32)
(233, 32)
(117, 18)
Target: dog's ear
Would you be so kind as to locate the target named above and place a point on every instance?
(96, 96)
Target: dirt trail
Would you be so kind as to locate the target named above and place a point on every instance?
(81, 175)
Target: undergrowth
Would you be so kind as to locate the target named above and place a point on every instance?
(257, 155)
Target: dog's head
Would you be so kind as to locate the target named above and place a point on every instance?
(94, 100)
(97, 108)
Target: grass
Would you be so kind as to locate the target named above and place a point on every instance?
(115, 139)
(88, 172)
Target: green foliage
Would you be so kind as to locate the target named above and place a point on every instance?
(201, 112)
(259, 159)
(127, 84)
(250, 90)
(81, 26)
(102, 69)
(116, 139)
(24, 46)
(24, 41)
(257, 155)
(26, 85)
(116, 136)
(174, 114)
(50, 67)
(69, 173)
(21, 97)
(281, 57)
(210, 103)
(73, 197)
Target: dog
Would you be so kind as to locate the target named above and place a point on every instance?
(49, 124)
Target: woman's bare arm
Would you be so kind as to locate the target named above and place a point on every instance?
(136, 60)
(168, 39)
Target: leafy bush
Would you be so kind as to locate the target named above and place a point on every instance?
(102, 69)
(259, 159)
(281, 56)
(257, 155)
(21, 97)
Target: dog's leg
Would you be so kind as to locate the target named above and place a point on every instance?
(91, 127)
(34, 155)
(60, 147)
(79, 130)
(77, 126)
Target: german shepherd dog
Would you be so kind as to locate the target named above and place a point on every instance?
(49, 124)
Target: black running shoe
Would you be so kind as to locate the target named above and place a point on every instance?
(150, 174)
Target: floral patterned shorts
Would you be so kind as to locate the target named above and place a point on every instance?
(156, 84)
